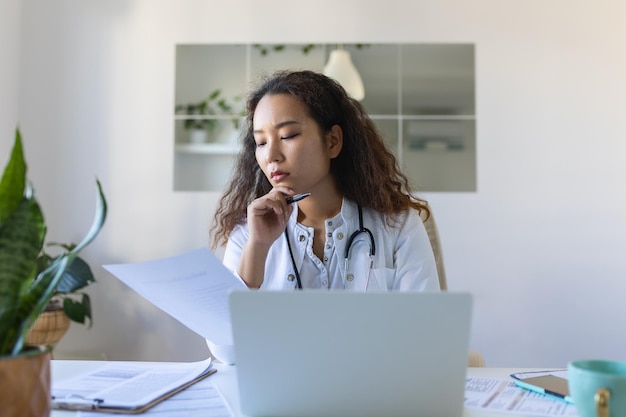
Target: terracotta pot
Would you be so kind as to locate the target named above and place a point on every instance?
(25, 384)
(48, 329)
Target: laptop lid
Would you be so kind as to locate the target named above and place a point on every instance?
(336, 353)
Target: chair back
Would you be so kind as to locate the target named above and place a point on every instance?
(435, 242)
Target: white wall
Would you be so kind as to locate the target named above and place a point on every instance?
(10, 13)
(540, 244)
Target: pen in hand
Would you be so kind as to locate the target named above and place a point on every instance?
(295, 198)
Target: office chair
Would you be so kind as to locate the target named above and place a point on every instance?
(475, 359)
(433, 235)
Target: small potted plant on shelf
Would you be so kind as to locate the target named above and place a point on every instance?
(201, 120)
(25, 291)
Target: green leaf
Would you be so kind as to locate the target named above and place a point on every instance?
(77, 275)
(21, 239)
(78, 311)
(34, 301)
(13, 181)
(98, 221)
(215, 94)
(224, 106)
(307, 48)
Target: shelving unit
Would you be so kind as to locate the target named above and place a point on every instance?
(421, 97)
(207, 148)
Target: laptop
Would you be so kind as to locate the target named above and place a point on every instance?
(336, 353)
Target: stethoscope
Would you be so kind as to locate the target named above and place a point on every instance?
(353, 236)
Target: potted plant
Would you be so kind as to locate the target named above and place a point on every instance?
(24, 291)
(68, 302)
(201, 120)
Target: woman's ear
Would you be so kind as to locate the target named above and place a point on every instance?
(334, 141)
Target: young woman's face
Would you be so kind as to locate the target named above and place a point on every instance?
(290, 148)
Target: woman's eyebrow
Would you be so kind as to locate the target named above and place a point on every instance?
(279, 125)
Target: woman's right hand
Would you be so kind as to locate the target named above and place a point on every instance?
(267, 218)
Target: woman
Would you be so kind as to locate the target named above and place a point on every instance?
(359, 229)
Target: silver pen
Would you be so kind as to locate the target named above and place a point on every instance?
(296, 198)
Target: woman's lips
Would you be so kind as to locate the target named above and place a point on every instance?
(278, 176)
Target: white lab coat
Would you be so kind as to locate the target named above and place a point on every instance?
(403, 261)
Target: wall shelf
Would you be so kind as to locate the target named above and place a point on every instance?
(208, 148)
(420, 96)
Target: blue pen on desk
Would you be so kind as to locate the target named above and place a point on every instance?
(543, 390)
(296, 198)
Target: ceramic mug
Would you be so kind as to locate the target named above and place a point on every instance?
(598, 387)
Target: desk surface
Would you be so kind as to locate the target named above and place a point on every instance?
(226, 381)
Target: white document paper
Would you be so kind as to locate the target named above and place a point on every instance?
(125, 379)
(192, 287)
(497, 394)
(126, 385)
(202, 399)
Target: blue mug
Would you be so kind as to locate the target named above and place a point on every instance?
(598, 387)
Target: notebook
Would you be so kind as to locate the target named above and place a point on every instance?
(335, 353)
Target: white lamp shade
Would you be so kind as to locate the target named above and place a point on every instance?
(340, 68)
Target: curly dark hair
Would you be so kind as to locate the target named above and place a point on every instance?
(365, 171)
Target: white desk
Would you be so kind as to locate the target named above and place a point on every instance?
(226, 381)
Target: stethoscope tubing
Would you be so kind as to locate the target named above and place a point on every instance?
(353, 236)
(358, 232)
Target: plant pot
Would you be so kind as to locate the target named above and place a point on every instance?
(49, 328)
(25, 384)
(198, 136)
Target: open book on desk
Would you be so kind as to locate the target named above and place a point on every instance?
(127, 387)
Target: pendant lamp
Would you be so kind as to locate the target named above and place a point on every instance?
(340, 68)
